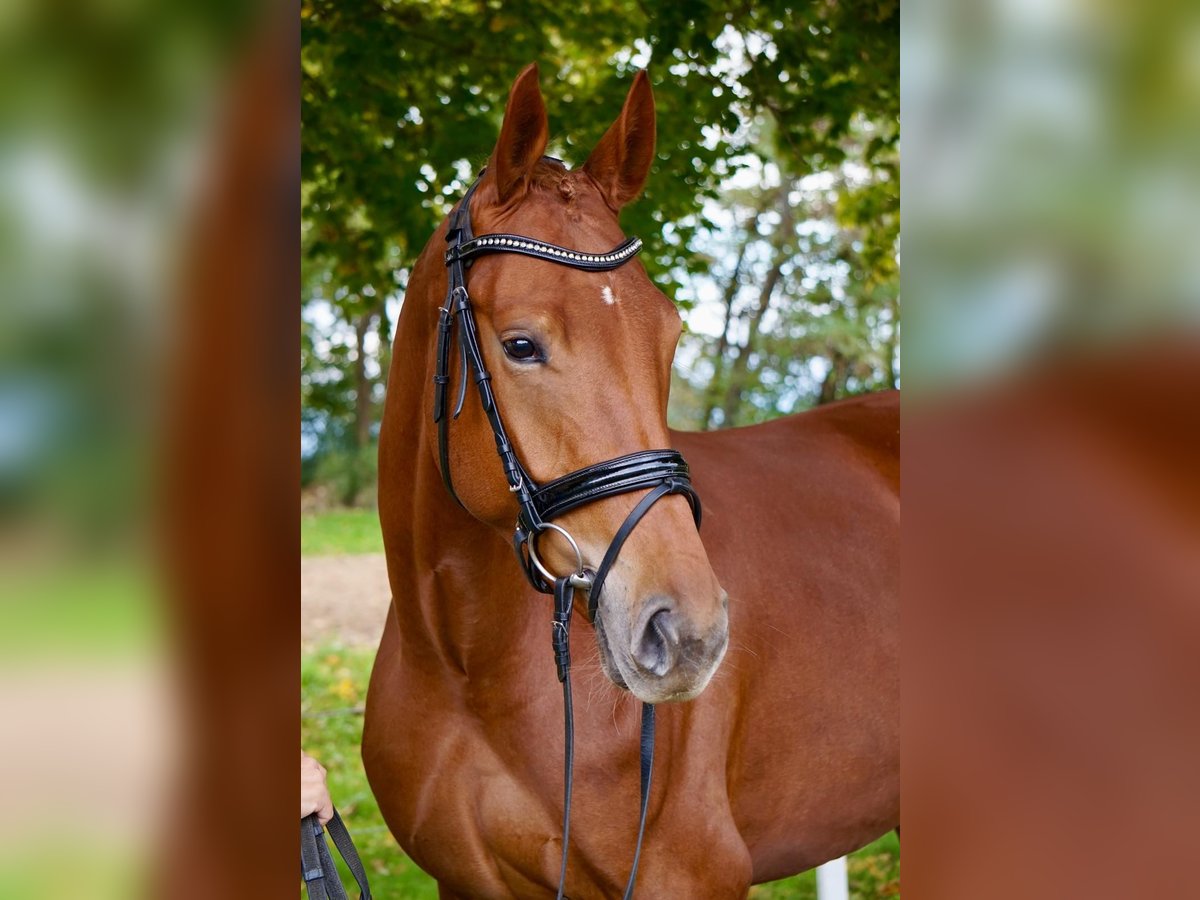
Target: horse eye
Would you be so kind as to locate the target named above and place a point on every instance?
(521, 349)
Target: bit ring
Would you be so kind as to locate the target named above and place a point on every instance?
(579, 578)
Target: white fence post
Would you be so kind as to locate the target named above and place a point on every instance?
(832, 881)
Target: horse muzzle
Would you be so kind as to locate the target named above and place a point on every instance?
(662, 653)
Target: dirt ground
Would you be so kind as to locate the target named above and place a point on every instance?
(343, 599)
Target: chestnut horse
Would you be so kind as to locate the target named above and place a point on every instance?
(779, 628)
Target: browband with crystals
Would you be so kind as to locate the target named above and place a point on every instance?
(527, 246)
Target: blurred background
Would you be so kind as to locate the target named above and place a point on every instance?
(1051, 217)
(115, 124)
(1051, 181)
(1051, 210)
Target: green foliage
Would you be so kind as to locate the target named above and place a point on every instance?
(111, 85)
(873, 872)
(333, 684)
(340, 531)
(811, 305)
(83, 608)
(402, 102)
(326, 388)
(349, 473)
(51, 866)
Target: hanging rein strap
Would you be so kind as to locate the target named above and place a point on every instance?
(316, 862)
(564, 599)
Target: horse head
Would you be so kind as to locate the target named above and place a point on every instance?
(580, 367)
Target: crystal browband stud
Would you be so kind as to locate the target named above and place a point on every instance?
(550, 250)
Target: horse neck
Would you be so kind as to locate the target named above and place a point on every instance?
(454, 580)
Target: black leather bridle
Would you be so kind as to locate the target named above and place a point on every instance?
(661, 472)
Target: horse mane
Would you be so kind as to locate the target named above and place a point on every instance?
(550, 175)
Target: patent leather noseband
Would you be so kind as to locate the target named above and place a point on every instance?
(660, 472)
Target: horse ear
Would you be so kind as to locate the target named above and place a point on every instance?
(523, 135)
(621, 161)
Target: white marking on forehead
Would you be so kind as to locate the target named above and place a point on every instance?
(607, 295)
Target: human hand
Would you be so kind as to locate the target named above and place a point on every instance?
(314, 794)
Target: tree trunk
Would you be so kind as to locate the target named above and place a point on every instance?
(385, 343)
(362, 382)
(835, 378)
(712, 394)
(740, 367)
(892, 347)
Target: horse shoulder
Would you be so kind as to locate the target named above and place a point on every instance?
(802, 527)
(457, 807)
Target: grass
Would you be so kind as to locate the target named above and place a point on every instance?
(344, 531)
(64, 620)
(333, 684)
(78, 609)
(874, 873)
(69, 865)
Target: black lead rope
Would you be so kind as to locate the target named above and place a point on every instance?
(564, 598)
(317, 868)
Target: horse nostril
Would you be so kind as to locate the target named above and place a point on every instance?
(655, 650)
